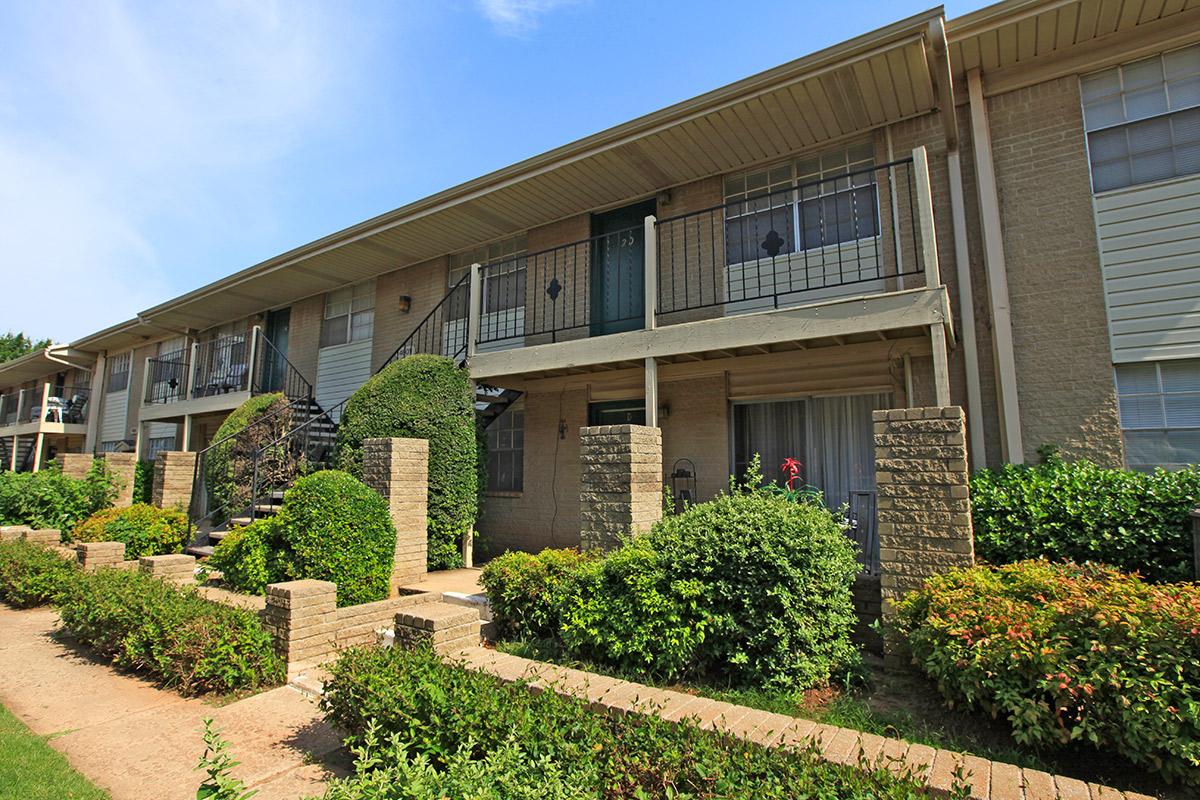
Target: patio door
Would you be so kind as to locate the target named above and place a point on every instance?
(273, 362)
(618, 271)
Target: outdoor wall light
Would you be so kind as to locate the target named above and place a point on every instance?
(405, 303)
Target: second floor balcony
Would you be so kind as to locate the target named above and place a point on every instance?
(48, 407)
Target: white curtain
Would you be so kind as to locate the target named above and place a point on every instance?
(774, 431)
(840, 456)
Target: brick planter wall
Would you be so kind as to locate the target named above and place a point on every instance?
(174, 472)
(94, 555)
(74, 465)
(399, 470)
(621, 482)
(123, 466)
(177, 567)
(301, 617)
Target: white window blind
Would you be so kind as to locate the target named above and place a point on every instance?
(349, 315)
(1160, 412)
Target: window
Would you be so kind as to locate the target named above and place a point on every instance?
(506, 452)
(503, 284)
(804, 204)
(111, 447)
(1160, 413)
(349, 315)
(157, 445)
(1143, 120)
(118, 372)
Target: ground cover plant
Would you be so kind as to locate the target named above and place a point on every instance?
(331, 527)
(424, 397)
(32, 575)
(1070, 656)
(1079, 511)
(146, 530)
(49, 499)
(168, 632)
(427, 729)
(30, 769)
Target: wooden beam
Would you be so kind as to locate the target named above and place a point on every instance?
(651, 392)
(941, 364)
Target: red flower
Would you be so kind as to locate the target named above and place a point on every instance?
(792, 467)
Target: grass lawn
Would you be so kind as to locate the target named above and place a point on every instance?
(32, 770)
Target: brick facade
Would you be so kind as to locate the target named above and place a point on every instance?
(398, 469)
(174, 473)
(124, 467)
(75, 465)
(621, 489)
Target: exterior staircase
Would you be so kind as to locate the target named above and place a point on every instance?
(24, 453)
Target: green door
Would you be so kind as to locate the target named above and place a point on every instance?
(619, 269)
(275, 369)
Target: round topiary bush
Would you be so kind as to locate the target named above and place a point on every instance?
(245, 557)
(333, 527)
(423, 397)
(229, 465)
(145, 529)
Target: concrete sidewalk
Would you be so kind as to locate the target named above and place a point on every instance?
(137, 741)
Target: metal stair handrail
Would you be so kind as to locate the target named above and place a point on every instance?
(421, 332)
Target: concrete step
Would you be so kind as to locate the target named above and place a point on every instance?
(216, 536)
(200, 551)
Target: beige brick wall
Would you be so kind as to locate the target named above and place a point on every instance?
(1060, 330)
(304, 335)
(697, 428)
(620, 485)
(570, 265)
(426, 283)
(174, 474)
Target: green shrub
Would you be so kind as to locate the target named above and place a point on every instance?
(524, 590)
(49, 499)
(448, 725)
(229, 463)
(423, 397)
(31, 575)
(172, 633)
(244, 558)
(143, 481)
(146, 530)
(1082, 656)
(1082, 512)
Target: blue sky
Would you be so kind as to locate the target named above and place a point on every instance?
(149, 148)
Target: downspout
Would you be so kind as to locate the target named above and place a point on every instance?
(938, 55)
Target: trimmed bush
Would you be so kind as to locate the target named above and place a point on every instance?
(143, 481)
(1070, 656)
(423, 397)
(229, 464)
(146, 530)
(331, 527)
(49, 499)
(524, 590)
(1079, 511)
(31, 575)
(172, 633)
(456, 733)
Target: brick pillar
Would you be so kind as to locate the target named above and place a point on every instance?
(177, 567)
(174, 472)
(924, 507)
(123, 466)
(74, 465)
(621, 482)
(301, 616)
(94, 555)
(399, 470)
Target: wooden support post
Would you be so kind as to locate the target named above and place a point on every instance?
(251, 372)
(191, 376)
(187, 433)
(95, 398)
(941, 363)
(966, 313)
(929, 256)
(651, 392)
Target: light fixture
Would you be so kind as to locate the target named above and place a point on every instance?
(405, 303)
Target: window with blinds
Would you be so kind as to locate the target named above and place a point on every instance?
(118, 372)
(503, 286)
(349, 315)
(1143, 120)
(1160, 413)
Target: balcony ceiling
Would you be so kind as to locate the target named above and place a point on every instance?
(40, 364)
(869, 81)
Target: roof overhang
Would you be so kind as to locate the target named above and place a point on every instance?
(121, 336)
(1019, 42)
(878, 78)
(42, 363)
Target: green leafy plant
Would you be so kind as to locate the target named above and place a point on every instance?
(49, 499)
(230, 463)
(1079, 511)
(218, 763)
(423, 397)
(457, 733)
(143, 481)
(170, 632)
(1070, 655)
(331, 527)
(31, 575)
(145, 529)
(525, 589)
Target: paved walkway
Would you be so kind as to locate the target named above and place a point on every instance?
(137, 741)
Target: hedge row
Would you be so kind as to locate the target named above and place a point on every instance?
(49, 499)
(450, 732)
(145, 529)
(31, 575)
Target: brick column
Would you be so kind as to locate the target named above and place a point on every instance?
(123, 466)
(94, 555)
(924, 507)
(621, 482)
(177, 567)
(174, 472)
(399, 470)
(301, 616)
(75, 465)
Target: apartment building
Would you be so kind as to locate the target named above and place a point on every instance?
(999, 211)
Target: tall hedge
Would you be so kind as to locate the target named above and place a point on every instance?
(228, 466)
(49, 499)
(423, 397)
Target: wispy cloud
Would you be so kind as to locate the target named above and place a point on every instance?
(519, 17)
(118, 119)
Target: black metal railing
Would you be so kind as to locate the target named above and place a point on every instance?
(221, 366)
(443, 331)
(589, 287)
(28, 404)
(273, 372)
(66, 404)
(167, 377)
(854, 231)
(9, 405)
(305, 448)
